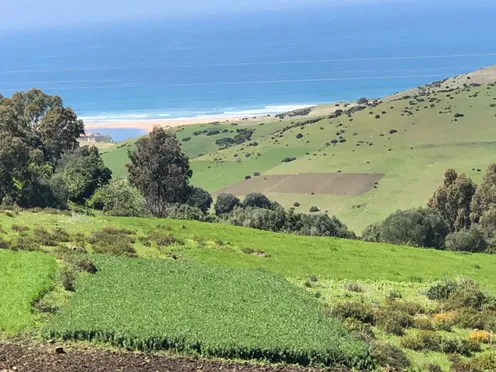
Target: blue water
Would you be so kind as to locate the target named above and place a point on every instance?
(249, 64)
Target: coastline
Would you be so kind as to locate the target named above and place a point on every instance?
(148, 125)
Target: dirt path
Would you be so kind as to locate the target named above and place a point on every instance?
(28, 357)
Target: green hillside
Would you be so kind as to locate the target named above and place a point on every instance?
(411, 140)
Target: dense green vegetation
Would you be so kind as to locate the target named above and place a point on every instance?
(230, 313)
(24, 277)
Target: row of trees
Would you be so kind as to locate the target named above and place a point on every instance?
(41, 163)
(460, 216)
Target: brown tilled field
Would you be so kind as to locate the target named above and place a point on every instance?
(305, 183)
(26, 357)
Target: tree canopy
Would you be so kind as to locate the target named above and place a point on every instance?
(160, 170)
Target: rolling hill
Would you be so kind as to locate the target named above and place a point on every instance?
(410, 138)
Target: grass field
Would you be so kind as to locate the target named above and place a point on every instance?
(291, 256)
(212, 311)
(24, 277)
(426, 139)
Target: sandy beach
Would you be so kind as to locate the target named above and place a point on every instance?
(148, 125)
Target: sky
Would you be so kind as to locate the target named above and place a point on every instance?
(22, 14)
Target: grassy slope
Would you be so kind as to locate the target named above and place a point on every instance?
(227, 312)
(295, 257)
(412, 175)
(426, 144)
(23, 277)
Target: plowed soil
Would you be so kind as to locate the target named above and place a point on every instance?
(306, 183)
(40, 358)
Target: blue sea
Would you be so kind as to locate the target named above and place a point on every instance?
(250, 64)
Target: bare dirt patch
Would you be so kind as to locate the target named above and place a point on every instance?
(41, 358)
(305, 183)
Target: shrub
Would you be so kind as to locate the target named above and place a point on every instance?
(372, 233)
(67, 277)
(20, 228)
(24, 244)
(442, 290)
(393, 322)
(199, 198)
(389, 356)
(314, 209)
(115, 243)
(317, 225)
(119, 198)
(355, 310)
(299, 135)
(363, 101)
(186, 212)
(296, 204)
(4, 244)
(288, 160)
(466, 240)
(359, 330)
(467, 294)
(258, 218)
(414, 227)
(431, 341)
(225, 203)
(353, 287)
(481, 337)
(256, 200)
(256, 174)
(424, 324)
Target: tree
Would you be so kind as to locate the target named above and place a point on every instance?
(485, 196)
(199, 198)
(256, 200)
(118, 198)
(362, 101)
(467, 240)
(225, 203)
(35, 131)
(453, 199)
(423, 227)
(84, 172)
(160, 170)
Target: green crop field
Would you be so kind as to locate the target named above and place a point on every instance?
(24, 277)
(412, 142)
(213, 311)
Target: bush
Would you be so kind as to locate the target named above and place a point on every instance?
(353, 287)
(296, 204)
(225, 203)
(317, 225)
(299, 135)
(466, 240)
(24, 244)
(355, 310)
(414, 227)
(314, 209)
(359, 330)
(256, 200)
(288, 159)
(393, 322)
(186, 212)
(112, 242)
(442, 290)
(467, 294)
(4, 244)
(372, 233)
(431, 341)
(257, 218)
(389, 356)
(67, 277)
(119, 198)
(19, 228)
(363, 101)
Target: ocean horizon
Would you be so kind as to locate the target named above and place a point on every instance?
(250, 65)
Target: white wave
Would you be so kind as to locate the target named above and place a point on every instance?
(121, 117)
